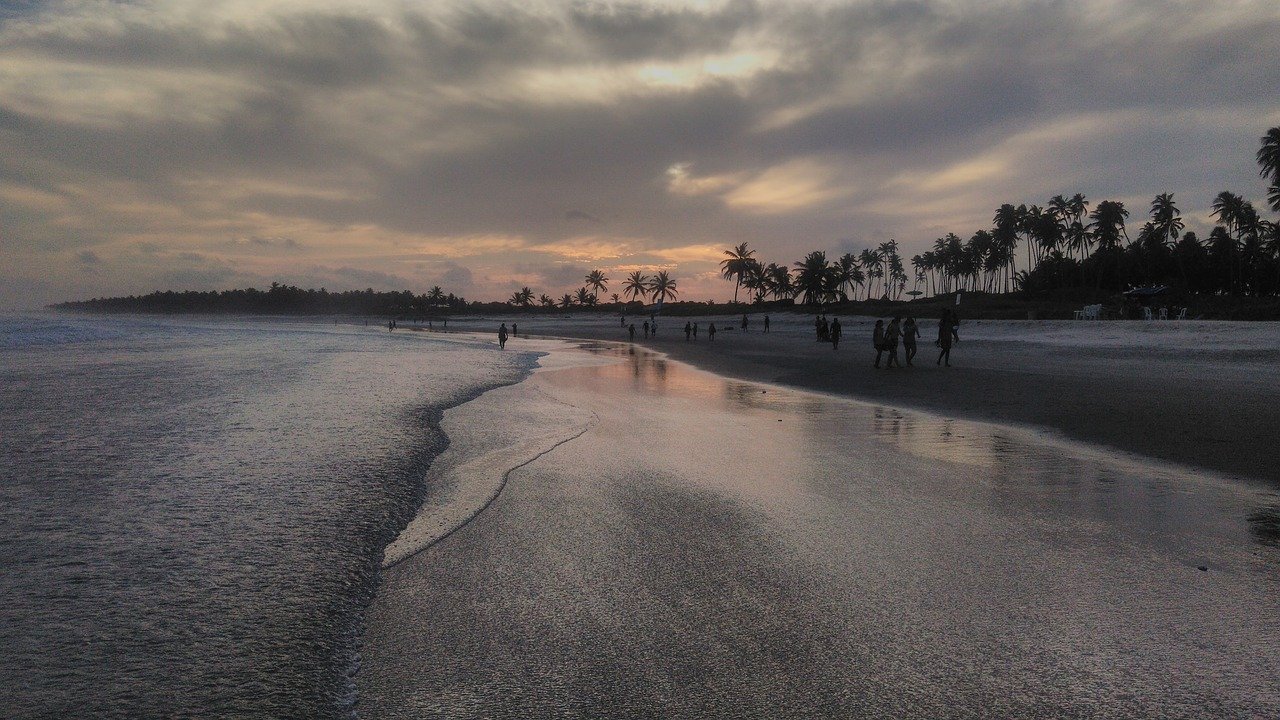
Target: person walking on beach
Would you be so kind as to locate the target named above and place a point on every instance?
(711, 332)
(766, 324)
(631, 332)
(646, 329)
(945, 332)
(877, 339)
(622, 321)
(891, 335)
(514, 331)
(695, 331)
(909, 334)
(688, 330)
(835, 333)
(502, 337)
(744, 322)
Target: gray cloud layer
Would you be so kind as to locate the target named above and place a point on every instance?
(455, 143)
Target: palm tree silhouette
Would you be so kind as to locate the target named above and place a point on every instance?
(546, 300)
(597, 282)
(566, 301)
(662, 286)
(813, 277)
(736, 266)
(1269, 165)
(636, 286)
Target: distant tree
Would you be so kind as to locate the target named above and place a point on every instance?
(636, 286)
(813, 278)
(566, 302)
(736, 266)
(597, 282)
(662, 286)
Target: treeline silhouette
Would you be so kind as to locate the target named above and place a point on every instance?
(278, 300)
(1063, 244)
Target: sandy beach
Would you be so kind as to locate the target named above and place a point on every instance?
(675, 543)
(1203, 394)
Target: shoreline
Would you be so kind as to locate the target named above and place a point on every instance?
(1210, 408)
(717, 547)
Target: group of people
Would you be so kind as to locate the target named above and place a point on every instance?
(828, 331)
(886, 338)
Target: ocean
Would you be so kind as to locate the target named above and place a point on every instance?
(194, 510)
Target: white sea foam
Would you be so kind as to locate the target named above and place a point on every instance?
(503, 429)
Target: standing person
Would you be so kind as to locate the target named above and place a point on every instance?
(391, 325)
(646, 329)
(502, 337)
(622, 321)
(688, 330)
(653, 327)
(744, 322)
(631, 332)
(695, 331)
(945, 332)
(835, 333)
(877, 339)
(711, 332)
(892, 333)
(514, 331)
(817, 327)
(909, 334)
(766, 324)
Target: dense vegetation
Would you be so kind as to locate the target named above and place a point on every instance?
(279, 300)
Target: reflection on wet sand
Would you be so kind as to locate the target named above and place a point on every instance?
(1017, 469)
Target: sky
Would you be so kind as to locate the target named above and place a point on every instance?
(486, 146)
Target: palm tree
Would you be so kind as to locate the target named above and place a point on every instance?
(636, 285)
(615, 299)
(566, 302)
(584, 297)
(546, 300)
(435, 295)
(851, 274)
(871, 266)
(779, 281)
(813, 277)
(597, 282)
(736, 266)
(1165, 218)
(1269, 164)
(663, 287)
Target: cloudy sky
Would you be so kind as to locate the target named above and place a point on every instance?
(487, 145)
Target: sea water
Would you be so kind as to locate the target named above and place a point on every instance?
(193, 511)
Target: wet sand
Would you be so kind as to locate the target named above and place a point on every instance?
(1185, 392)
(716, 548)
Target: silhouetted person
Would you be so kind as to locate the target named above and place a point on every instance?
(892, 333)
(711, 331)
(695, 331)
(631, 332)
(817, 327)
(646, 329)
(909, 334)
(835, 333)
(622, 321)
(514, 331)
(744, 322)
(766, 323)
(502, 337)
(688, 331)
(945, 332)
(653, 327)
(391, 325)
(877, 339)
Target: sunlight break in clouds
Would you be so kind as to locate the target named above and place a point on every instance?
(453, 142)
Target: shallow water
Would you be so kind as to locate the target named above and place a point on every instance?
(193, 511)
(714, 548)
